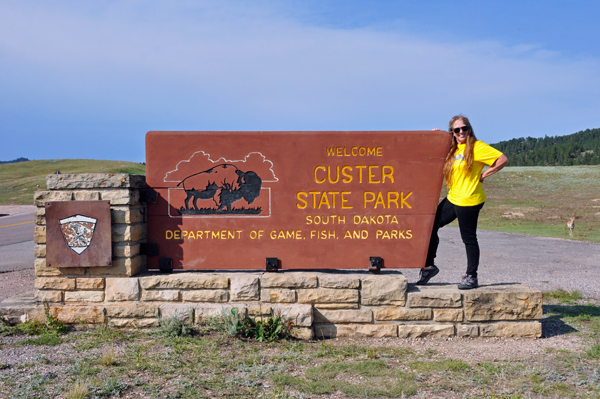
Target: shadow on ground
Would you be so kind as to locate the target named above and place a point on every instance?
(559, 319)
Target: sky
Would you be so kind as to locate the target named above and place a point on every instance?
(88, 79)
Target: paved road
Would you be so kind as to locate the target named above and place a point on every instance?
(539, 262)
(16, 242)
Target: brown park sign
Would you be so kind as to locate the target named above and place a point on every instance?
(314, 200)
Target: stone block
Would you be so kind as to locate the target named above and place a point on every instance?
(132, 310)
(355, 330)
(39, 216)
(48, 296)
(121, 250)
(288, 280)
(181, 312)
(398, 313)
(54, 283)
(121, 197)
(128, 232)
(425, 330)
(94, 180)
(75, 314)
(245, 288)
(39, 234)
(121, 267)
(327, 295)
(277, 295)
(336, 305)
(453, 315)
(185, 281)
(41, 197)
(39, 251)
(503, 303)
(42, 271)
(84, 296)
(338, 281)
(299, 315)
(343, 316)
(133, 323)
(86, 195)
(205, 296)
(384, 290)
(207, 311)
(160, 295)
(90, 283)
(434, 298)
(122, 289)
(524, 329)
(467, 330)
(304, 333)
(126, 215)
(258, 309)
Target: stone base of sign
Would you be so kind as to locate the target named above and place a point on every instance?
(318, 304)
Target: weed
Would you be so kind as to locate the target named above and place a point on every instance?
(232, 321)
(563, 296)
(269, 329)
(47, 339)
(110, 387)
(108, 357)
(52, 322)
(594, 351)
(79, 390)
(176, 326)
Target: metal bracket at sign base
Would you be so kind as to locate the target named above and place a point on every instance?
(165, 265)
(375, 264)
(149, 249)
(272, 264)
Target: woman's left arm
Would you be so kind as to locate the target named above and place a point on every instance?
(496, 167)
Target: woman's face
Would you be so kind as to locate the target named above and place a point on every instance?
(461, 136)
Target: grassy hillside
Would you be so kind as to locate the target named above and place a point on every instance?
(539, 200)
(18, 181)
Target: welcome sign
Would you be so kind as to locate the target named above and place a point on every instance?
(314, 200)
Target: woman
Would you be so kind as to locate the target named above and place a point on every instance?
(463, 174)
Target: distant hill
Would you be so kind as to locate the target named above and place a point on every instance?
(18, 181)
(581, 148)
(16, 160)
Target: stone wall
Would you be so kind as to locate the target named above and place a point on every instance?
(321, 305)
(318, 304)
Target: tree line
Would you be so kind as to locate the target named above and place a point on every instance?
(16, 160)
(581, 148)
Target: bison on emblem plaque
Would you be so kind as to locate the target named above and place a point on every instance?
(78, 232)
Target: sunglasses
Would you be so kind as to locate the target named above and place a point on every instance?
(463, 128)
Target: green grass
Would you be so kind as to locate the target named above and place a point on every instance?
(540, 200)
(18, 181)
(563, 296)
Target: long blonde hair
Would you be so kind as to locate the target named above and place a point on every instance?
(470, 145)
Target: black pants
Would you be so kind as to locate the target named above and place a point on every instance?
(467, 222)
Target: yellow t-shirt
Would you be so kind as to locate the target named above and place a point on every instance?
(465, 188)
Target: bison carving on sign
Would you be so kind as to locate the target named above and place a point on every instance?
(224, 184)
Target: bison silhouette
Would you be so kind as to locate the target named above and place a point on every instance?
(224, 183)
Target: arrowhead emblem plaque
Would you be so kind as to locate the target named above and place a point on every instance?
(78, 232)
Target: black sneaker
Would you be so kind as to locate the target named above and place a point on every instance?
(426, 274)
(468, 283)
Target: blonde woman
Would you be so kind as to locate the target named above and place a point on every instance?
(463, 173)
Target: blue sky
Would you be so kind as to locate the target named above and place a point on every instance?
(89, 79)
